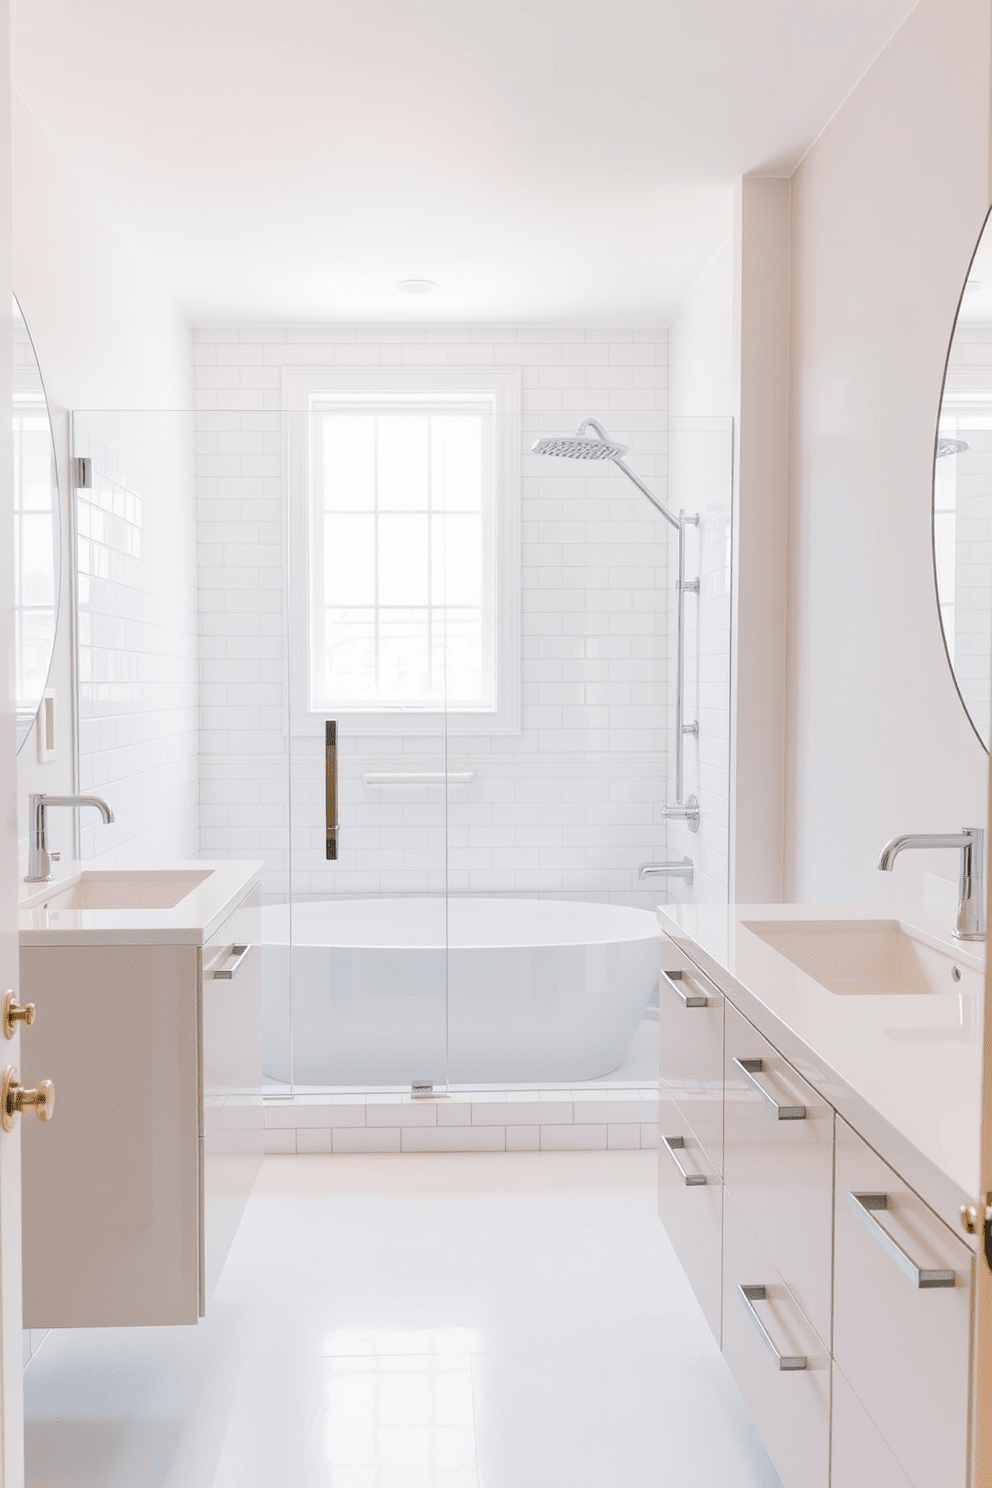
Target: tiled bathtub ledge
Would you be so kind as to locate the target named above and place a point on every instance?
(487, 1121)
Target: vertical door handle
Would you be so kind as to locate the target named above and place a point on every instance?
(331, 788)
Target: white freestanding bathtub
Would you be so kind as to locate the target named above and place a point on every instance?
(529, 990)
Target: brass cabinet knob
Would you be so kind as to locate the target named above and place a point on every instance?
(13, 1013)
(14, 1099)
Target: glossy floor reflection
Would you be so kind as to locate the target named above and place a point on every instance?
(457, 1321)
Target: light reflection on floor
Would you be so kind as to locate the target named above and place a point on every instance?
(511, 1320)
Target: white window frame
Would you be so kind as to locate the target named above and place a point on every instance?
(305, 391)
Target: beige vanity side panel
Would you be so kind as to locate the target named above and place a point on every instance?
(781, 1172)
(791, 1409)
(905, 1351)
(232, 1084)
(691, 1213)
(690, 1049)
(858, 1455)
(111, 1184)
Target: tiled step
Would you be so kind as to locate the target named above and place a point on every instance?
(480, 1121)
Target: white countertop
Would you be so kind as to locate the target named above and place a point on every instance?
(190, 922)
(904, 1071)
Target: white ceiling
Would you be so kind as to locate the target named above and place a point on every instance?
(545, 161)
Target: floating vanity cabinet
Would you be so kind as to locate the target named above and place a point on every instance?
(132, 1193)
(778, 1165)
(902, 1321)
(845, 1301)
(690, 1113)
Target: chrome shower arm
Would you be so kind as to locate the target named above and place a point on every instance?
(676, 522)
(596, 426)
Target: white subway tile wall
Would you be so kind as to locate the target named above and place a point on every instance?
(572, 805)
(137, 627)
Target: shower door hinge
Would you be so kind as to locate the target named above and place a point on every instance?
(690, 586)
(82, 473)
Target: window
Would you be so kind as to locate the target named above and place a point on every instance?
(406, 530)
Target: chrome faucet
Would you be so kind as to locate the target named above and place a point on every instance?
(971, 889)
(40, 860)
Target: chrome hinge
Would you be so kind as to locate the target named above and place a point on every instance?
(82, 473)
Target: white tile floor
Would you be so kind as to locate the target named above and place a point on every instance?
(459, 1321)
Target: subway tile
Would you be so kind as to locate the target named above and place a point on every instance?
(279, 1141)
(367, 1139)
(584, 1138)
(401, 1112)
(623, 1136)
(311, 1140)
(454, 1139)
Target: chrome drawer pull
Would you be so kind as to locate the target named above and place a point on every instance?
(751, 1294)
(866, 1206)
(674, 1145)
(750, 1068)
(240, 954)
(689, 997)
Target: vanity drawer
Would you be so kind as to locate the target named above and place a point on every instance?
(904, 1347)
(778, 1164)
(690, 1203)
(764, 1334)
(690, 1051)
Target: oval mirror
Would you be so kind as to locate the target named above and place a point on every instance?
(37, 536)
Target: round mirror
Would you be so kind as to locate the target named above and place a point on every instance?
(37, 537)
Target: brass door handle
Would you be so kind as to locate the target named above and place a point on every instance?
(14, 1099)
(13, 1013)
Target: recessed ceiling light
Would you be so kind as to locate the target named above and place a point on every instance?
(973, 286)
(415, 286)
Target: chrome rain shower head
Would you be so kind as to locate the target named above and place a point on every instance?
(582, 446)
(951, 447)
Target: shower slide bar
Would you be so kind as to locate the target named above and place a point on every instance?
(599, 446)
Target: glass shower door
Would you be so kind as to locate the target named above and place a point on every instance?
(367, 913)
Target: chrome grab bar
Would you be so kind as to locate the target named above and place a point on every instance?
(750, 1069)
(331, 788)
(673, 1145)
(689, 999)
(240, 954)
(751, 1294)
(866, 1206)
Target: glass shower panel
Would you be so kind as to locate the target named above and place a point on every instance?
(181, 656)
(553, 939)
(366, 621)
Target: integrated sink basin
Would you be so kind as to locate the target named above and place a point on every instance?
(873, 958)
(149, 888)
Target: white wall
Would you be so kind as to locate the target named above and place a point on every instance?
(886, 209)
(572, 804)
(701, 344)
(107, 336)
